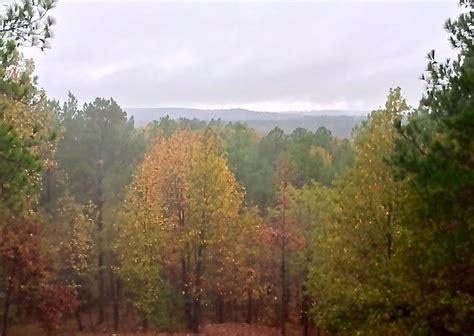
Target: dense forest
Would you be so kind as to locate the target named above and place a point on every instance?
(107, 227)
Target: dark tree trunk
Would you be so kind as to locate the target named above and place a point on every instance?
(186, 293)
(100, 259)
(6, 308)
(77, 313)
(197, 299)
(305, 311)
(389, 232)
(249, 305)
(284, 300)
(100, 264)
(80, 325)
(90, 318)
(117, 305)
(220, 308)
(145, 322)
(8, 295)
(115, 289)
(185, 276)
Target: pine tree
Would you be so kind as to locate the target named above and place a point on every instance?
(436, 156)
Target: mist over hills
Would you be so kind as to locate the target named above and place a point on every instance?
(339, 122)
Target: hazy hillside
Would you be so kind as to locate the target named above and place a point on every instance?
(340, 123)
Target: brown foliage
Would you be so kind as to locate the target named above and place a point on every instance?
(26, 272)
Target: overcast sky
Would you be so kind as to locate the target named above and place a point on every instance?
(271, 56)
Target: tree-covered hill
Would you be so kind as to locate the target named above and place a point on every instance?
(339, 122)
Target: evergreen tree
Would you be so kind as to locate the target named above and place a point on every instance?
(436, 156)
(99, 150)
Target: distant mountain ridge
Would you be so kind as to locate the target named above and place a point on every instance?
(339, 122)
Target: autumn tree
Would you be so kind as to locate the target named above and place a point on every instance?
(186, 198)
(236, 273)
(26, 272)
(70, 235)
(351, 280)
(310, 210)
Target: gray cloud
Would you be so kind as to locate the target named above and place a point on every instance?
(262, 55)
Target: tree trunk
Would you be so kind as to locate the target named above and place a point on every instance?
(100, 259)
(197, 299)
(80, 306)
(100, 264)
(389, 232)
(115, 289)
(249, 305)
(91, 322)
(305, 311)
(283, 276)
(80, 325)
(145, 322)
(185, 275)
(186, 293)
(6, 306)
(117, 305)
(220, 308)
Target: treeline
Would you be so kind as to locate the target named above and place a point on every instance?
(186, 222)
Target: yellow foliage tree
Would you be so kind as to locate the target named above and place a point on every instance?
(351, 277)
(183, 203)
